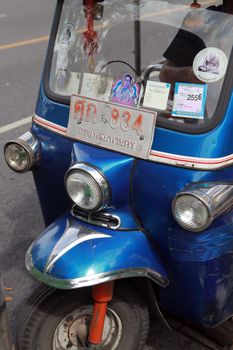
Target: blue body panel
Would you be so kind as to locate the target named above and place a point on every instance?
(115, 251)
(117, 169)
(200, 265)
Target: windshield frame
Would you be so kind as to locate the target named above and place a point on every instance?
(218, 115)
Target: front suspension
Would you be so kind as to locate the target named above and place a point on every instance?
(101, 294)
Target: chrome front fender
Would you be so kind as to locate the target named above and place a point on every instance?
(70, 254)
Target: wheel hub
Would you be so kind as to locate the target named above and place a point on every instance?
(78, 330)
(72, 332)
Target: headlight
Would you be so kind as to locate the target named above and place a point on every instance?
(87, 187)
(191, 213)
(22, 154)
(199, 204)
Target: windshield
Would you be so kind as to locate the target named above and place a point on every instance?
(165, 56)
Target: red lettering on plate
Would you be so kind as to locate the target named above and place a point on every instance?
(114, 117)
(126, 116)
(91, 112)
(137, 125)
(79, 109)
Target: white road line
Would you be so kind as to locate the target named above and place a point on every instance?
(3, 15)
(15, 125)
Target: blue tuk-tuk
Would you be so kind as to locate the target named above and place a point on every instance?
(132, 156)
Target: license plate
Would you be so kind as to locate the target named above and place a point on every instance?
(120, 128)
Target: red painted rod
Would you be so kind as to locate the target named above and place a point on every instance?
(101, 294)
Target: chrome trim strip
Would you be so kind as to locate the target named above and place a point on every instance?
(49, 125)
(96, 222)
(93, 279)
(73, 235)
(99, 223)
(191, 162)
(54, 257)
(158, 156)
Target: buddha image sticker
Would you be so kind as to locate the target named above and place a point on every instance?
(189, 100)
(125, 91)
(210, 65)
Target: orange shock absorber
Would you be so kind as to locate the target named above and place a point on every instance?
(102, 294)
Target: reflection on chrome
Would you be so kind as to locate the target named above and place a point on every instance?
(26, 147)
(215, 198)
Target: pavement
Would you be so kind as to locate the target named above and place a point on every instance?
(24, 27)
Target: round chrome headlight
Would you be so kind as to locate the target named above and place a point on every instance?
(22, 154)
(87, 187)
(17, 157)
(191, 212)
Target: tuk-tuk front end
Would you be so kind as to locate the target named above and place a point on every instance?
(131, 155)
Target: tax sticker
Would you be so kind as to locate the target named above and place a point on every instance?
(189, 100)
(156, 95)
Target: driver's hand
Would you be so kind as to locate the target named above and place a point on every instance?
(171, 73)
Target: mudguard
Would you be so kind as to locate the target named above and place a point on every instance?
(71, 254)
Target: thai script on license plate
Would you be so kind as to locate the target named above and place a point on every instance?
(112, 126)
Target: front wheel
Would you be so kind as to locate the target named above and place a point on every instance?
(59, 320)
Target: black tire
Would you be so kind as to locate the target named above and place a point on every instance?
(43, 318)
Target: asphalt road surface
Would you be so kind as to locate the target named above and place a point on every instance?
(24, 27)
